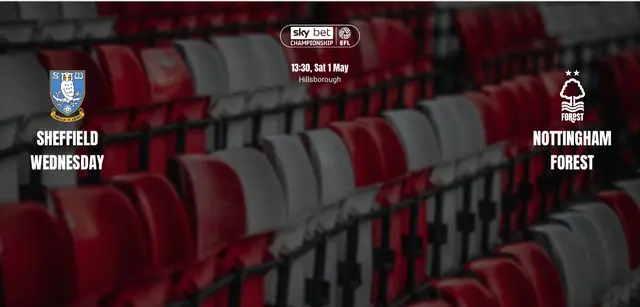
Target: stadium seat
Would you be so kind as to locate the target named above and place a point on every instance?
(443, 174)
(31, 238)
(58, 31)
(539, 268)
(369, 172)
(170, 84)
(612, 236)
(628, 213)
(230, 178)
(152, 100)
(422, 151)
(463, 291)
(96, 28)
(18, 31)
(394, 168)
(495, 134)
(632, 187)
(593, 248)
(167, 232)
(471, 129)
(78, 10)
(164, 221)
(334, 172)
(107, 242)
(273, 73)
(39, 11)
(439, 303)
(569, 259)
(472, 33)
(288, 157)
(274, 60)
(506, 280)
(208, 72)
(461, 160)
(240, 63)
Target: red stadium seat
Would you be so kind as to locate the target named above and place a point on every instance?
(394, 167)
(629, 215)
(157, 90)
(32, 239)
(473, 36)
(465, 292)
(170, 83)
(247, 208)
(422, 152)
(440, 303)
(368, 174)
(130, 88)
(506, 280)
(164, 222)
(167, 230)
(539, 268)
(108, 245)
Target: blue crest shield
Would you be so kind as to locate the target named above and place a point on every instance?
(67, 89)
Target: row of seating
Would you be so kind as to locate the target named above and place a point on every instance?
(129, 89)
(572, 261)
(129, 238)
(544, 31)
(337, 159)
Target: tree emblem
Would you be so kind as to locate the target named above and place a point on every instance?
(572, 94)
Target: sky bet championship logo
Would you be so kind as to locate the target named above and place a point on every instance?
(67, 89)
(320, 36)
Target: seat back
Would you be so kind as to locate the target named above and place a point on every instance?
(506, 280)
(164, 221)
(273, 75)
(208, 74)
(57, 31)
(417, 137)
(465, 292)
(295, 172)
(108, 242)
(569, 259)
(96, 28)
(628, 213)
(587, 235)
(36, 262)
(611, 234)
(78, 10)
(334, 173)
(248, 204)
(538, 266)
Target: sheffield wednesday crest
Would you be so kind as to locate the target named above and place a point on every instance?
(67, 89)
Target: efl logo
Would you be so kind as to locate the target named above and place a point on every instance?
(324, 33)
(320, 36)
